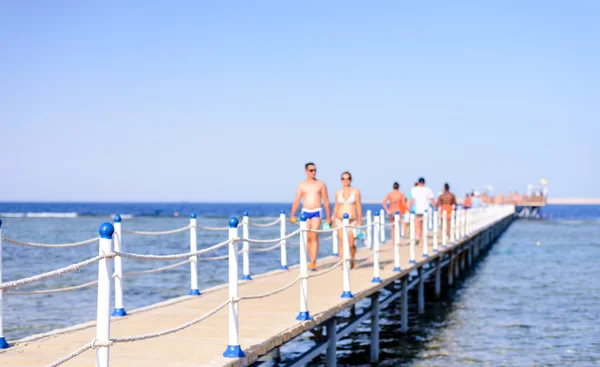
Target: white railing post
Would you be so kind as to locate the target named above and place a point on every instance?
(105, 270)
(452, 225)
(430, 210)
(245, 249)
(402, 221)
(118, 245)
(425, 233)
(303, 315)
(282, 243)
(436, 225)
(233, 349)
(194, 291)
(346, 293)
(378, 227)
(412, 239)
(369, 228)
(457, 224)
(3, 343)
(335, 243)
(464, 226)
(381, 226)
(444, 229)
(397, 226)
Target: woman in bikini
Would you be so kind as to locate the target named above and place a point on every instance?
(347, 200)
(397, 202)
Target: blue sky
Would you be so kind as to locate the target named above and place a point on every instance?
(226, 101)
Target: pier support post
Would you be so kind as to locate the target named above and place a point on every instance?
(438, 278)
(457, 254)
(470, 253)
(462, 257)
(331, 343)
(375, 327)
(105, 271)
(119, 309)
(404, 305)
(421, 291)
(451, 268)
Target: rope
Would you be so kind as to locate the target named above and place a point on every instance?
(160, 233)
(54, 290)
(264, 295)
(291, 234)
(48, 245)
(172, 257)
(265, 224)
(322, 230)
(135, 338)
(54, 273)
(72, 355)
(276, 246)
(135, 273)
(214, 228)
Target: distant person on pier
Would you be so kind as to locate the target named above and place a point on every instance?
(312, 192)
(468, 201)
(445, 202)
(420, 196)
(347, 200)
(397, 202)
(476, 200)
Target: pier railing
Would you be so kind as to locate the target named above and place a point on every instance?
(455, 226)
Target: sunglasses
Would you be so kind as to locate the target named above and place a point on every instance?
(346, 178)
(312, 170)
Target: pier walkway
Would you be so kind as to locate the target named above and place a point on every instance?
(268, 306)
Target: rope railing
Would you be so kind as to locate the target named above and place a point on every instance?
(158, 233)
(53, 290)
(264, 225)
(49, 245)
(54, 273)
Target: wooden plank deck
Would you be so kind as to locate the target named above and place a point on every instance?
(263, 323)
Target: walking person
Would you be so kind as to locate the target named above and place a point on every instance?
(421, 196)
(347, 201)
(397, 202)
(313, 194)
(444, 203)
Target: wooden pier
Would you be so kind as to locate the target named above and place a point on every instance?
(265, 323)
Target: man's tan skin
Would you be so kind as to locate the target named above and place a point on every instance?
(418, 218)
(445, 202)
(347, 200)
(311, 192)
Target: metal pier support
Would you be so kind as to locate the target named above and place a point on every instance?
(438, 278)
(374, 328)
(404, 304)
(421, 292)
(456, 264)
(470, 254)
(331, 343)
(451, 268)
(462, 258)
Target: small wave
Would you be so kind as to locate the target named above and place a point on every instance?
(39, 215)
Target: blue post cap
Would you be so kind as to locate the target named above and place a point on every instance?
(117, 218)
(397, 211)
(193, 215)
(106, 230)
(245, 214)
(233, 222)
(303, 217)
(376, 213)
(282, 211)
(346, 216)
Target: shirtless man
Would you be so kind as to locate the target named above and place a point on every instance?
(397, 202)
(311, 192)
(445, 202)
